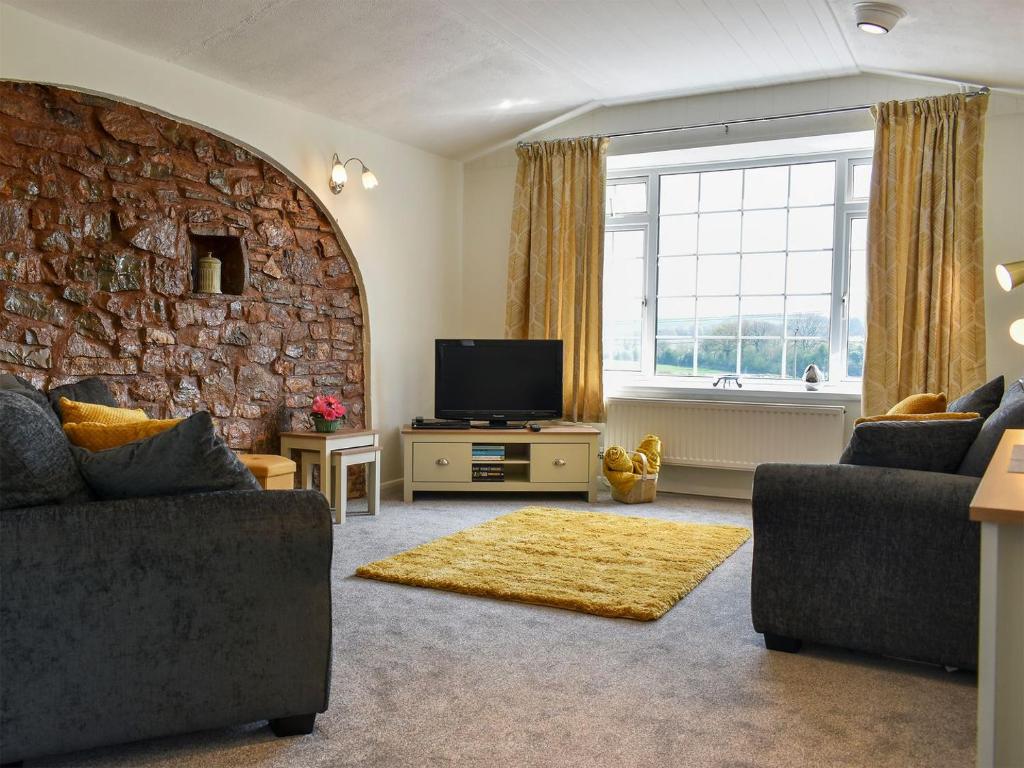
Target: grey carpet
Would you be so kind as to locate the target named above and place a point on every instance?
(429, 678)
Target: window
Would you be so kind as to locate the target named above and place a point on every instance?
(752, 266)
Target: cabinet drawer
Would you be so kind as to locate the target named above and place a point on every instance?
(441, 462)
(559, 463)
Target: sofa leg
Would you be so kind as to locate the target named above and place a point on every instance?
(297, 725)
(781, 643)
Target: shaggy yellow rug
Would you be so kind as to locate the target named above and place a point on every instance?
(609, 565)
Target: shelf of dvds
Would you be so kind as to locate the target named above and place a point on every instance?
(557, 458)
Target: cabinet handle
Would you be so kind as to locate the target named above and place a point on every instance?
(559, 462)
(442, 462)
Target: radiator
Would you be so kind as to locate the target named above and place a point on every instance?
(729, 435)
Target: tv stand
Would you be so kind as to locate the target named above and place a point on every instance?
(558, 458)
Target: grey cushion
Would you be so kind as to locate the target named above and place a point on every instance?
(931, 446)
(12, 383)
(983, 400)
(187, 458)
(1009, 415)
(36, 465)
(91, 390)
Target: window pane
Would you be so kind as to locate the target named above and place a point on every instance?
(719, 232)
(717, 316)
(716, 356)
(809, 272)
(812, 184)
(764, 230)
(761, 357)
(766, 187)
(808, 316)
(861, 186)
(623, 279)
(622, 354)
(762, 316)
(677, 234)
(721, 190)
(810, 229)
(677, 275)
(626, 198)
(800, 354)
(718, 274)
(763, 272)
(674, 358)
(624, 244)
(675, 317)
(679, 192)
(856, 301)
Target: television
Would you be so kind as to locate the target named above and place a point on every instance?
(497, 380)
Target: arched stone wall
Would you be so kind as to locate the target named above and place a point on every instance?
(104, 210)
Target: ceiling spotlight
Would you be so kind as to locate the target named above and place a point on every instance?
(339, 176)
(1010, 275)
(877, 18)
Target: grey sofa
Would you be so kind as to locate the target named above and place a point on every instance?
(882, 559)
(129, 619)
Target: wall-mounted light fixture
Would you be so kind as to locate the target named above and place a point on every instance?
(339, 175)
(877, 18)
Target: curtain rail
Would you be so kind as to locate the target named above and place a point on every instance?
(741, 121)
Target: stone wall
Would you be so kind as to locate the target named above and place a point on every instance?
(104, 208)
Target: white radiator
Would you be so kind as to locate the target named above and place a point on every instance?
(729, 435)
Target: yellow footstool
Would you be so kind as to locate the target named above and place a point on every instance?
(275, 473)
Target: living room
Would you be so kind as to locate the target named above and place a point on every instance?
(259, 239)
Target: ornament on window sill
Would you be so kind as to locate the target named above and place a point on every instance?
(812, 378)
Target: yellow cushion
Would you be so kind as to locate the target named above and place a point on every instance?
(923, 403)
(100, 437)
(264, 465)
(74, 412)
(917, 417)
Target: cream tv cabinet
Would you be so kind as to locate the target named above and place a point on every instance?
(558, 458)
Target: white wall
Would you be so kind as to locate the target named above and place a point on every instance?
(405, 235)
(489, 180)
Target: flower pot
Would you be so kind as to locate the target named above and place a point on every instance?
(320, 424)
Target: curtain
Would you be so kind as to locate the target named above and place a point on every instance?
(925, 302)
(556, 262)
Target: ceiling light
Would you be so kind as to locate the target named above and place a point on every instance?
(877, 18)
(339, 176)
(1010, 275)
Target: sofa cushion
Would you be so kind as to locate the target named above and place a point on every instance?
(74, 412)
(1009, 415)
(926, 402)
(984, 400)
(12, 383)
(187, 458)
(36, 461)
(931, 446)
(91, 390)
(101, 437)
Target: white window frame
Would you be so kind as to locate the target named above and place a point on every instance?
(846, 209)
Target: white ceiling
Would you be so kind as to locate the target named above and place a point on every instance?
(434, 73)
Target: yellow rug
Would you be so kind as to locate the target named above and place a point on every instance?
(609, 565)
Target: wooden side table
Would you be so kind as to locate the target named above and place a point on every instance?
(998, 505)
(323, 444)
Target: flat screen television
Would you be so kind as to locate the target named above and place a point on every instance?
(497, 380)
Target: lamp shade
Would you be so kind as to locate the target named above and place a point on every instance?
(369, 180)
(1017, 331)
(1010, 275)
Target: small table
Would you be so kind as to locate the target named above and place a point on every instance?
(324, 444)
(998, 505)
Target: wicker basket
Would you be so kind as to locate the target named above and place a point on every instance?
(644, 490)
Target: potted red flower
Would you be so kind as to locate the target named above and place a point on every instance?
(328, 413)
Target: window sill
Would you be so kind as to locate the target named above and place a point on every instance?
(753, 391)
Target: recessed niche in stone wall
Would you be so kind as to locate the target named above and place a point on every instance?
(230, 250)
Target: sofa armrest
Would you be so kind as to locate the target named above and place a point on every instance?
(128, 619)
(884, 560)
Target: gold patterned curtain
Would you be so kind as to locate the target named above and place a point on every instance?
(556, 262)
(926, 302)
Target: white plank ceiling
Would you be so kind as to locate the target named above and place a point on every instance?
(455, 76)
